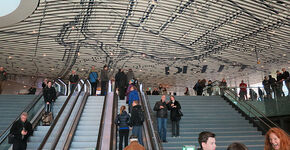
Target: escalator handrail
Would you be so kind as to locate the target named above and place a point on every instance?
(255, 109)
(56, 119)
(114, 127)
(101, 128)
(6, 132)
(65, 85)
(76, 120)
(154, 139)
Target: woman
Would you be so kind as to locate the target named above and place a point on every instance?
(186, 93)
(209, 87)
(122, 120)
(223, 86)
(175, 116)
(93, 77)
(200, 87)
(277, 139)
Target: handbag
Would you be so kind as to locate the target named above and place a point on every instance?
(11, 138)
(180, 112)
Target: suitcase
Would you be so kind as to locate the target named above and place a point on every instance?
(47, 119)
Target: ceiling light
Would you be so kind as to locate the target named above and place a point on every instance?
(140, 69)
(262, 66)
(24, 86)
(235, 21)
(83, 69)
(111, 54)
(144, 55)
(79, 53)
(22, 69)
(44, 55)
(10, 57)
(284, 54)
(52, 69)
(73, 27)
(34, 31)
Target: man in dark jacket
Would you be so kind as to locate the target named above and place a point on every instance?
(3, 78)
(137, 119)
(21, 130)
(267, 87)
(279, 84)
(73, 80)
(104, 80)
(162, 109)
(273, 85)
(121, 83)
(286, 78)
(49, 95)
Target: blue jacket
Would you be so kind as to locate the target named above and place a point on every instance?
(93, 77)
(133, 96)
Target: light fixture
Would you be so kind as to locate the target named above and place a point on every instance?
(10, 57)
(22, 69)
(73, 27)
(284, 55)
(79, 53)
(44, 55)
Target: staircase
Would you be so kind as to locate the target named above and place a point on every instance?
(10, 108)
(87, 132)
(40, 131)
(210, 113)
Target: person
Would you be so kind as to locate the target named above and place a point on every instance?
(267, 87)
(122, 120)
(134, 145)
(73, 80)
(200, 87)
(44, 83)
(130, 75)
(160, 87)
(279, 83)
(131, 83)
(175, 116)
(148, 91)
(223, 86)
(93, 78)
(21, 130)
(273, 85)
(209, 88)
(104, 80)
(3, 78)
(161, 108)
(186, 93)
(253, 95)
(136, 121)
(243, 91)
(196, 87)
(261, 94)
(286, 78)
(206, 140)
(155, 92)
(49, 95)
(277, 139)
(237, 146)
(133, 96)
(32, 90)
(121, 83)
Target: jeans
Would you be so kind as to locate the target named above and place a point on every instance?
(94, 87)
(137, 131)
(48, 107)
(123, 136)
(72, 87)
(162, 124)
(104, 87)
(175, 128)
(288, 87)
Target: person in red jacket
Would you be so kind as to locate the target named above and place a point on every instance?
(243, 91)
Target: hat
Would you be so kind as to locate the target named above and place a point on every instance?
(132, 80)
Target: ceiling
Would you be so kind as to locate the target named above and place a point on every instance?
(173, 42)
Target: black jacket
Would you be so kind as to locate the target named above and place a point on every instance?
(49, 94)
(121, 80)
(73, 79)
(18, 126)
(286, 76)
(266, 84)
(174, 114)
(279, 77)
(137, 116)
(161, 113)
(155, 92)
(123, 120)
(104, 75)
(272, 82)
(3, 75)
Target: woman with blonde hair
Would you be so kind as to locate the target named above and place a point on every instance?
(277, 139)
(122, 120)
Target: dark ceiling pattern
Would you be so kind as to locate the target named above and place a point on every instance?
(163, 41)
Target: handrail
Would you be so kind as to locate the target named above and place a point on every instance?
(65, 85)
(5, 133)
(101, 140)
(75, 123)
(255, 109)
(154, 140)
(114, 127)
(55, 120)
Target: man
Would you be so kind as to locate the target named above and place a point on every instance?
(104, 80)
(49, 95)
(21, 130)
(121, 83)
(134, 145)
(286, 78)
(93, 77)
(243, 91)
(279, 84)
(73, 80)
(130, 75)
(3, 78)
(273, 85)
(267, 87)
(206, 140)
(137, 119)
(161, 108)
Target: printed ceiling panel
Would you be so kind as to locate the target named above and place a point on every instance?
(173, 42)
